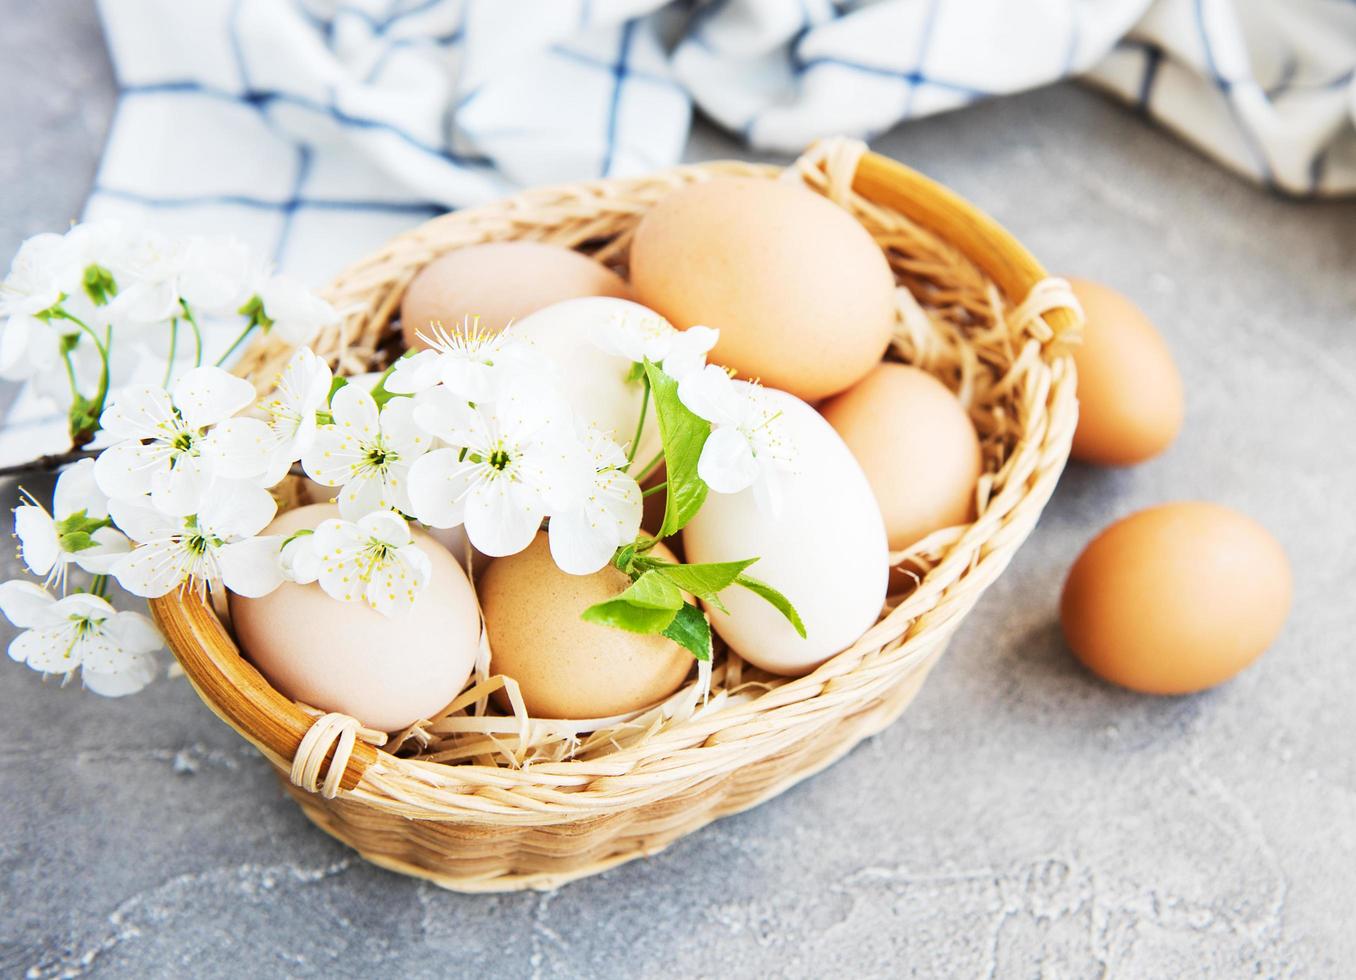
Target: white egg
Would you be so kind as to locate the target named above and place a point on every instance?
(826, 551)
(594, 382)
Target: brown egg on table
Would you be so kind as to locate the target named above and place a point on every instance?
(802, 295)
(916, 445)
(566, 667)
(1130, 401)
(387, 672)
(1176, 598)
(500, 282)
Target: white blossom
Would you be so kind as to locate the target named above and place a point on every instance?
(639, 336)
(748, 445)
(473, 363)
(297, 314)
(511, 463)
(288, 428)
(374, 560)
(604, 517)
(217, 545)
(161, 444)
(113, 650)
(219, 274)
(368, 453)
(79, 533)
(147, 269)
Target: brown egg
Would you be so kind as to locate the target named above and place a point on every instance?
(1129, 392)
(387, 672)
(501, 282)
(801, 294)
(566, 667)
(915, 444)
(1176, 598)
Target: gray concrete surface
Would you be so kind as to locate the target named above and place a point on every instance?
(1021, 820)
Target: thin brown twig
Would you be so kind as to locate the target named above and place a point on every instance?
(47, 464)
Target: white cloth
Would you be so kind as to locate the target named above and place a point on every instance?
(316, 129)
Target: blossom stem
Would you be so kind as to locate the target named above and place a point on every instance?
(197, 331)
(99, 586)
(70, 373)
(174, 350)
(655, 489)
(61, 314)
(650, 467)
(640, 425)
(240, 339)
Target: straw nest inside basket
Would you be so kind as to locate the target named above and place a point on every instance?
(952, 322)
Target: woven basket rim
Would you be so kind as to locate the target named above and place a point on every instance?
(275, 725)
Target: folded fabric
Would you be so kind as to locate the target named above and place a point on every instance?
(316, 129)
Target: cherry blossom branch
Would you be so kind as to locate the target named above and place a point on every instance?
(47, 464)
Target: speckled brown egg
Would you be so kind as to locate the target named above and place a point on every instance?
(1130, 401)
(801, 293)
(387, 672)
(1176, 598)
(916, 445)
(566, 667)
(501, 282)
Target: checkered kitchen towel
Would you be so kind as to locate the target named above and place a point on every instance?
(316, 129)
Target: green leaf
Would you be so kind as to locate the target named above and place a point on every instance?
(647, 606)
(622, 615)
(379, 393)
(76, 532)
(779, 601)
(683, 435)
(653, 591)
(701, 580)
(690, 630)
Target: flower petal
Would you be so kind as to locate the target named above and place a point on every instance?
(180, 489)
(239, 448)
(127, 470)
(727, 463)
(110, 544)
(142, 522)
(39, 546)
(438, 486)
(355, 413)
(77, 490)
(134, 673)
(26, 605)
(153, 570)
(499, 521)
(52, 651)
(396, 583)
(236, 509)
(710, 394)
(137, 412)
(133, 633)
(207, 395)
(578, 545)
(414, 374)
(251, 568)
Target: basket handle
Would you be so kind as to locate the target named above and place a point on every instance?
(978, 237)
(236, 692)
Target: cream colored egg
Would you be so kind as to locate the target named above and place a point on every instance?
(916, 445)
(594, 382)
(566, 667)
(802, 295)
(826, 551)
(500, 282)
(387, 672)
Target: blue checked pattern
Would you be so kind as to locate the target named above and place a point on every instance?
(316, 129)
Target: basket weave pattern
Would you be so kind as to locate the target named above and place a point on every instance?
(985, 320)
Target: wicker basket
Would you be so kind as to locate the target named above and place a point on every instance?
(987, 322)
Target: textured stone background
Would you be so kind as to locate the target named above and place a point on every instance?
(1021, 819)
